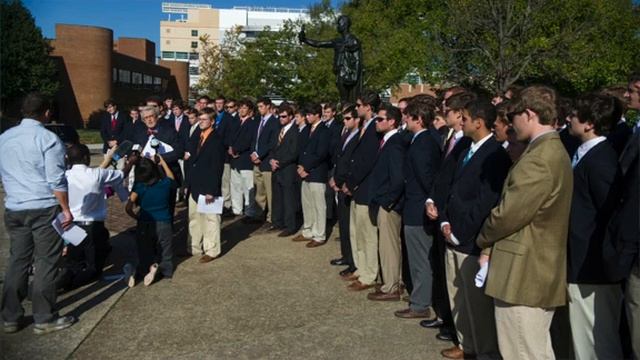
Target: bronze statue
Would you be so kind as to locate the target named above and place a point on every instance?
(347, 59)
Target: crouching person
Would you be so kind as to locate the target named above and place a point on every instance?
(152, 193)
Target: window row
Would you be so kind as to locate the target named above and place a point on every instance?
(122, 76)
(180, 55)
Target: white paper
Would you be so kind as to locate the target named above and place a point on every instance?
(74, 235)
(149, 151)
(481, 276)
(454, 240)
(214, 208)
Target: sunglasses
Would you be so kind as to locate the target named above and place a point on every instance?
(381, 119)
(284, 116)
(347, 117)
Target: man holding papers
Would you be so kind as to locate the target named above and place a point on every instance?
(206, 165)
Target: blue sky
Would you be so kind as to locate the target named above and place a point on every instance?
(127, 18)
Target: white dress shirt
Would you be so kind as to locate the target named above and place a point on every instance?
(584, 148)
(87, 199)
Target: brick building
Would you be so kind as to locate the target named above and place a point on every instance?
(92, 67)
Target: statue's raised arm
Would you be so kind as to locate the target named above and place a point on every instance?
(302, 36)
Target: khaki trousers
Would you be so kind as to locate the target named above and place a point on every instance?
(523, 331)
(204, 232)
(472, 310)
(364, 243)
(262, 180)
(389, 224)
(314, 210)
(632, 303)
(241, 186)
(594, 314)
(226, 185)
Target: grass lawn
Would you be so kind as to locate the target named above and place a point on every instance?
(89, 136)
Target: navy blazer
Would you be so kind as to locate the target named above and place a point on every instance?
(167, 134)
(387, 180)
(108, 133)
(619, 136)
(443, 179)
(286, 152)
(421, 165)
(206, 165)
(131, 128)
(183, 130)
(303, 138)
(343, 159)
(315, 154)
(266, 142)
(241, 145)
(362, 161)
(474, 191)
(335, 129)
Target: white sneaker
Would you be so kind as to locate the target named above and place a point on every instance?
(129, 275)
(151, 276)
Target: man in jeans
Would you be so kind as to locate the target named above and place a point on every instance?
(32, 171)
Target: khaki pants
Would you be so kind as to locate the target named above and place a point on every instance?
(523, 331)
(204, 232)
(226, 185)
(472, 310)
(314, 210)
(262, 180)
(389, 224)
(586, 304)
(632, 302)
(241, 186)
(364, 244)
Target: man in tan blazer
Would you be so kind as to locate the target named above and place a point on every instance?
(526, 234)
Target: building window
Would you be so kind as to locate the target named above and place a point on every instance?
(115, 75)
(168, 30)
(157, 81)
(194, 70)
(168, 55)
(136, 78)
(148, 79)
(194, 44)
(194, 32)
(124, 76)
(194, 56)
(168, 42)
(182, 55)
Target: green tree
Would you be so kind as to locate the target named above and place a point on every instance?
(25, 65)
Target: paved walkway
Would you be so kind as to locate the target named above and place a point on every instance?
(266, 298)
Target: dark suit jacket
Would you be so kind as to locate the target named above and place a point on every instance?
(445, 175)
(241, 145)
(167, 134)
(206, 165)
(421, 165)
(474, 191)
(131, 128)
(266, 142)
(570, 142)
(303, 138)
(387, 180)
(363, 159)
(183, 130)
(591, 207)
(226, 129)
(286, 153)
(343, 159)
(622, 243)
(117, 133)
(619, 136)
(315, 154)
(335, 129)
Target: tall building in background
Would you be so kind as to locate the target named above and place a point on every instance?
(179, 36)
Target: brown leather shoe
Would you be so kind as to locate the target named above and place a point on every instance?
(350, 277)
(410, 314)
(205, 259)
(300, 238)
(313, 243)
(379, 295)
(456, 353)
(358, 286)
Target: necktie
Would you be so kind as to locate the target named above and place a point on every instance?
(574, 160)
(281, 136)
(452, 143)
(381, 144)
(151, 132)
(114, 122)
(468, 157)
(262, 122)
(178, 121)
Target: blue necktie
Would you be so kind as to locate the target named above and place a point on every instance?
(575, 159)
(467, 158)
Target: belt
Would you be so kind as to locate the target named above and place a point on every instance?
(87, 223)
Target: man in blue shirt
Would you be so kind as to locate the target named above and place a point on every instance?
(32, 171)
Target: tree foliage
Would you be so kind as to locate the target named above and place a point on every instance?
(25, 65)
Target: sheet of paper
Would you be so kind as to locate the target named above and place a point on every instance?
(454, 240)
(481, 276)
(74, 235)
(149, 151)
(214, 208)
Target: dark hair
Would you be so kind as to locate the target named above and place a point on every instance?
(502, 111)
(460, 100)
(285, 108)
(370, 98)
(205, 97)
(168, 97)
(331, 106)
(634, 78)
(246, 102)
(78, 154)
(264, 100)
(154, 99)
(232, 100)
(565, 107)
(482, 108)
(405, 99)
(350, 109)
(393, 113)
(178, 104)
(109, 102)
(134, 108)
(417, 110)
(35, 105)
(424, 99)
(147, 171)
(220, 97)
(314, 109)
(603, 111)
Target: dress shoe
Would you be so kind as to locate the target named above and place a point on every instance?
(383, 296)
(456, 353)
(205, 259)
(431, 324)
(349, 277)
(313, 243)
(60, 323)
(300, 238)
(444, 336)
(338, 262)
(348, 271)
(410, 314)
(286, 233)
(358, 286)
